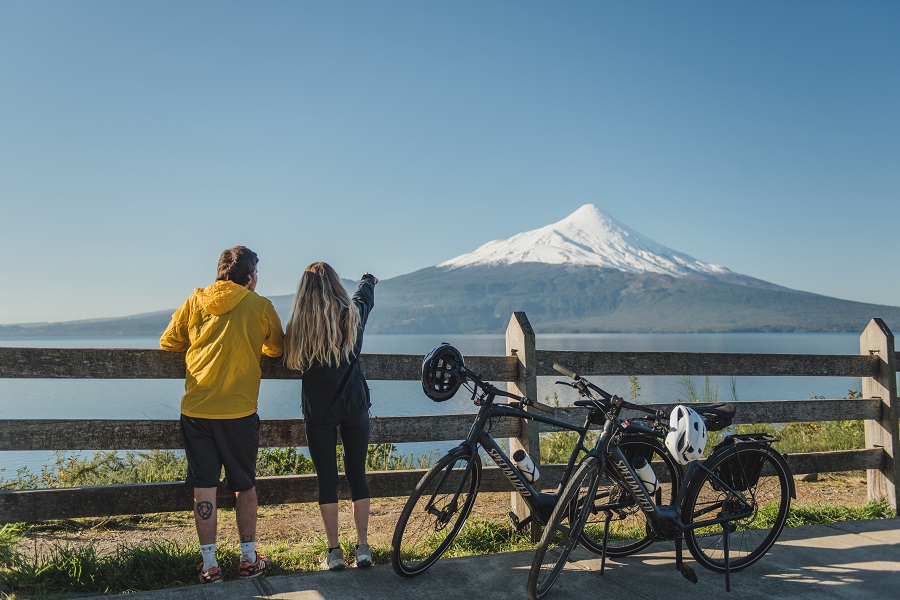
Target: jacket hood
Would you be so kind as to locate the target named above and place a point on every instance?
(221, 297)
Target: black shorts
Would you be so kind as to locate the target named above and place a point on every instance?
(211, 444)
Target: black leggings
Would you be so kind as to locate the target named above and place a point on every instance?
(322, 442)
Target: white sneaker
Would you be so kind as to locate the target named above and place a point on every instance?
(363, 556)
(334, 559)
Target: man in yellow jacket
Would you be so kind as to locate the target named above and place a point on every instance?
(223, 329)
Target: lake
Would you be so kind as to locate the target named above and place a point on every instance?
(159, 399)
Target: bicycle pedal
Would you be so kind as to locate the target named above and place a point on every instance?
(518, 525)
(688, 573)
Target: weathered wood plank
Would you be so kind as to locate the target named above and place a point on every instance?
(408, 367)
(830, 462)
(770, 411)
(705, 363)
(82, 363)
(68, 503)
(68, 434)
(520, 341)
(99, 501)
(877, 341)
(48, 434)
(128, 363)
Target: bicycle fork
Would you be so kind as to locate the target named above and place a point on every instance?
(449, 508)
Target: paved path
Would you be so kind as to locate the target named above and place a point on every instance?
(859, 559)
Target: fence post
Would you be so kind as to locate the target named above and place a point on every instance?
(520, 342)
(877, 340)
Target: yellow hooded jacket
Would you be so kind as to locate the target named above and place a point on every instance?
(223, 329)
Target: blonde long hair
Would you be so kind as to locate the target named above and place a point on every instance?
(323, 324)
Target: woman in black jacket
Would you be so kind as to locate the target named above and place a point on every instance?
(323, 340)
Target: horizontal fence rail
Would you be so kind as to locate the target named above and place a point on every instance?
(106, 363)
(43, 434)
(713, 364)
(126, 363)
(109, 500)
(519, 369)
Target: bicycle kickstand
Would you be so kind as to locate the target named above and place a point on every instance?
(727, 529)
(605, 540)
(686, 571)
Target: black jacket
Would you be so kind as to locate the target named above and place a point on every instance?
(322, 404)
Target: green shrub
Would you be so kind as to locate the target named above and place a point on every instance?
(69, 469)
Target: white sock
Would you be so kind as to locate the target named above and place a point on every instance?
(208, 553)
(248, 552)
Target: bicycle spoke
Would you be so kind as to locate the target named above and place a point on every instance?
(562, 531)
(754, 525)
(629, 531)
(434, 513)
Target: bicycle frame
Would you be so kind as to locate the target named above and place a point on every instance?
(665, 519)
(540, 503)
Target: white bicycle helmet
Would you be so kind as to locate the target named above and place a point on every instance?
(687, 439)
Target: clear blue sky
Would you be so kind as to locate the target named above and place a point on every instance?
(140, 139)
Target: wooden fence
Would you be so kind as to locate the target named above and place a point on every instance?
(520, 368)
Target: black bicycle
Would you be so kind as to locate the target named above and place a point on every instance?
(730, 509)
(442, 500)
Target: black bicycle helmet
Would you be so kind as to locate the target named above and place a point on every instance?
(440, 372)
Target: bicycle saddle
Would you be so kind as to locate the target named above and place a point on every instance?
(716, 416)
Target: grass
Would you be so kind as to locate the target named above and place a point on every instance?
(79, 569)
(159, 564)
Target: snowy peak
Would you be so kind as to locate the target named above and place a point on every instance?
(588, 237)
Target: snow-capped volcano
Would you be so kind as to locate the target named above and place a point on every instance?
(588, 237)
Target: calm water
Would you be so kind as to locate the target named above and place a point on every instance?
(159, 399)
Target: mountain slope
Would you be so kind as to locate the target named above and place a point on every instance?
(585, 273)
(583, 299)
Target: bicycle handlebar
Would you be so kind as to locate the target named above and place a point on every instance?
(582, 385)
(561, 369)
(579, 381)
(495, 391)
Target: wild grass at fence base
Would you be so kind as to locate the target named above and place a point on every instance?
(79, 569)
(70, 469)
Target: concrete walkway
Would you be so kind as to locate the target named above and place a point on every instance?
(858, 559)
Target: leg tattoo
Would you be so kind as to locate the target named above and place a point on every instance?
(205, 510)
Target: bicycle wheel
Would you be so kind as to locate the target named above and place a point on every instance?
(435, 512)
(564, 528)
(629, 531)
(763, 479)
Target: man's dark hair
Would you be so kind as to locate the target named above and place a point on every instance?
(237, 265)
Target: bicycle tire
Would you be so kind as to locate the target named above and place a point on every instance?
(629, 531)
(563, 530)
(749, 538)
(435, 512)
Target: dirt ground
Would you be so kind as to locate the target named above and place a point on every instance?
(300, 524)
